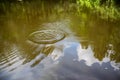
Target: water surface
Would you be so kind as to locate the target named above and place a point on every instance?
(86, 47)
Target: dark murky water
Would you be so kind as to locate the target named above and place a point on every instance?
(65, 47)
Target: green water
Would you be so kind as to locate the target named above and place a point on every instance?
(83, 46)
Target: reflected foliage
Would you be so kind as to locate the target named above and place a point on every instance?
(102, 35)
(104, 8)
(28, 14)
(19, 18)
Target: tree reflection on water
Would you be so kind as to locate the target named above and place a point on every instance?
(89, 51)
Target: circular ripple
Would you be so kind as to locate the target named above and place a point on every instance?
(46, 36)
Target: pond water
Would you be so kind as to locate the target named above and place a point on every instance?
(60, 45)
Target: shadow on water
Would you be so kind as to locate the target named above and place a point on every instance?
(43, 42)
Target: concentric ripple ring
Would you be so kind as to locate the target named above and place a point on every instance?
(46, 36)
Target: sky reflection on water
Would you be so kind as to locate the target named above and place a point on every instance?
(89, 51)
(68, 61)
